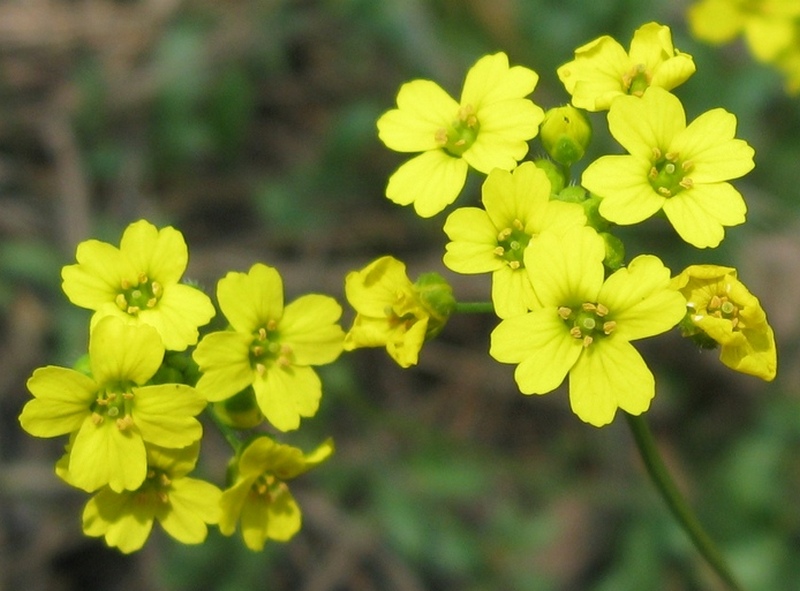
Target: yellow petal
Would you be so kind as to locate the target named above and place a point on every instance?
(62, 398)
(423, 109)
(286, 394)
(165, 414)
(250, 300)
(628, 197)
(473, 240)
(431, 181)
(161, 254)
(120, 352)
(102, 454)
(309, 328)
(491, 80)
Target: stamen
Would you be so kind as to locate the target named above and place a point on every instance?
(260, 369)
(125, 423)
(564, 312)
(601, 310)
(687, 165)
(517, 224)
(504, 234)
(575, 331)
(272, 325)
(686, 183)
(121, 302)
(587, 340)
(588, 306)
(440, 136)
(151, 303)
(142, 278)
(156, 288)
(258, 350)
(125, 284)
(665, 192)
(97, 419)
(608, 327)
(656, 154)
(262, 334)
(499, 251)
(672, 156)
(514, 264)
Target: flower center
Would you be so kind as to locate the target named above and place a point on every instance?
(668, 173)
(636, 80)
(722, 307)
(266, 348)
(154, 488)
(463, 132)
(267, 487)
(141, 296)
(115, 402)
(587, 322)
(511, 243)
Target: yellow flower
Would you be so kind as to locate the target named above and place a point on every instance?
(138, 282)
(259, 498)
(183, 506)
(489, 128)
(769, 26)
(671, 166)
(271, 347)
(394, 313)
(602, 70)
(493, 240)
(720, 307)
(585, 325)
(112, 413)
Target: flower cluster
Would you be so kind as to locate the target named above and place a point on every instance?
(569, 304)
(771, 29)
(130, 408)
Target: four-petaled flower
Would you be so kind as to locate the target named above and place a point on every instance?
(138, 282)
(602, 70)
(721, 307)
(585, 325)
(259, 499)
(271, 347)
(489, 128)
(671, 166)
(517, 208)
(183, 506)
(112, 413)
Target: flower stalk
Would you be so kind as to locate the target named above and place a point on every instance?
(676, 502)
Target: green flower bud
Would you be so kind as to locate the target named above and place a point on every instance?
(82, 365)
(615, 251)
(565, 134)
(436, 296)
(591, 207)
(554, 174)
(239, 411)
(572, 194)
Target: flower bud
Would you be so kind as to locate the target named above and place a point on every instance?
(240, 411)
(615, 251)
(565, 134)
(436, 295)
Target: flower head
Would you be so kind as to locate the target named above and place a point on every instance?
(671, 166)
(138, 282)
(271, 347)
(768, 26)
(112, 413)
(721, 308)
(488, 128)
(517, 208)
(394, 313)
(183, 506)
(259, 499)
(585, 324)
(602, 70)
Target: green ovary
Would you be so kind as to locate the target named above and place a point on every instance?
(460, 136)
(668, 174)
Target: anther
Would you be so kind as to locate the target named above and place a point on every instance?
(653, 174)
(514, 264)
(656, 154)
(258, 350)
(163, 496)
(156, 288)
(564, 312)
(124, 423)
(121, 302)
(587, 340)
(142, 278)
(97, 418)
(272, 325)
(517, 224)
(262, 334)
(715, 301)
(499, 251)
(260, 369)
(665, 192)
(687, 165)
(125, 395)
(575, 331)
(686, 183)
(601, 310)
(440, 136)
(504, 234)
(672, 156)
(608, 327)
(151, 303)
(133, 310)
(588, 307)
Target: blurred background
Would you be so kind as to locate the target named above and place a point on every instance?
(250, 126)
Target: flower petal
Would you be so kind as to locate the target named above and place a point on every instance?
(161, 254)
(628, 197)
(700, 213)
(165, 414)
(286, 394)
(250, 300)
(431, 181)
(642, 124)
(423, 109)
(62, 398)
(224, 359)
(309, 327)
(609, 375)
(491, 80)
(103, 454)
(473, 240)
(120, 352)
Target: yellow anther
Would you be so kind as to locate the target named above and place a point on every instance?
(272, 325)
(164, 479)
(121, 301)
(102, 401)
(564, 312)
(656, 154)
(125, 423)
(97, 418)
(587, 340)
(125, 284)
(151, 303)
(142, 278)
(258, 350)
(260, 369)
(156, 289)
(665, 192)
(608, 327)
(133, 310)
(517, 224)
(504, 234)
(687, 165)
(262, 334)
(601, 310)
(284, 362)
(163, 496)
(499, 251)
(576, 332)
(588, 307)
(672, 156)
(715, 301)
(514, 264)
(686, 183)
(125, 395)
(440, 136)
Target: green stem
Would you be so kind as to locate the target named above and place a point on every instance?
(227, 432)
(474, 308)
(675, 500)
